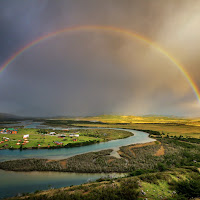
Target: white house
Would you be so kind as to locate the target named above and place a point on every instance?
(74, 135)
(26, 136)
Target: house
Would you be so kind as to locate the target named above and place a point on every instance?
(61, 136)
(52, 133)
(58, 143)
(26, 136)
(74, 140)
(10, 129)
(3, 131)
(14, 132)
(5, 138)
(74, 135)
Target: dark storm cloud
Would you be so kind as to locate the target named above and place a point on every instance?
(94, 72)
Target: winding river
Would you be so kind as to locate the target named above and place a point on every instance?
(12, 183)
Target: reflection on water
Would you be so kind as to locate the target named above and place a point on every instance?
(13, 183)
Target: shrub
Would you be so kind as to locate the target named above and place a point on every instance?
(161, 167)
(189, 188)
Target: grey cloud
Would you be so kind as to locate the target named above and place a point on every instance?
(97, 72)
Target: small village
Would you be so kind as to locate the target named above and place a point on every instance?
(12, 135)
(36, 138)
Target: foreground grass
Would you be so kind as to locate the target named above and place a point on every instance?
(39, 140)
(160, 185)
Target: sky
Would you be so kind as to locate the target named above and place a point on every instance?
(93, 72)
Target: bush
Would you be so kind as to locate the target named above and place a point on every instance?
(161, 167)
(140, 172)
(189, 188)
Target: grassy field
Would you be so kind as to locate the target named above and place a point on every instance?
(170, 129)
(136, 119)
(87, 136)
(159, 185)
(168, 125)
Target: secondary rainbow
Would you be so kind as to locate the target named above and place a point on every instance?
(113, 29)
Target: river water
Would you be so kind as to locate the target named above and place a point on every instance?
(12, 183)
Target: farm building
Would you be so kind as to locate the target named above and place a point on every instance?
(14, 132)
(5, 138)
(52, 133)
(61, 136)
(3, 131)
(58, 143)
(74, 135)
(9, 131)
(26, 136)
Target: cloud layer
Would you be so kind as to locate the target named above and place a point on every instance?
(99, 72)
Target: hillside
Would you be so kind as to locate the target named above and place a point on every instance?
(6, 116)
(161, 185)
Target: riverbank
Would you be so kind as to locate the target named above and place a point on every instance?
(159, 185)
(28, 182)
(155, 156)
(69, 145)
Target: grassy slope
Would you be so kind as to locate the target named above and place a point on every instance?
(160, 185)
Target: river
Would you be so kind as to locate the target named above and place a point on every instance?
(12, 183)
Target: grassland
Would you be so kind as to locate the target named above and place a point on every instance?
(143, 119)
(172, 126)
(37, 138)
(160, 185)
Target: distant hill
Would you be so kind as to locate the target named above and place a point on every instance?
(6, 116)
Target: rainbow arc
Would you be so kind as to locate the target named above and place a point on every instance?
(111, 29)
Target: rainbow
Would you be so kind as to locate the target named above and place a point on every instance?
(113, 29)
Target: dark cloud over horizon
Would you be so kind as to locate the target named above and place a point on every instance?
(99, 72)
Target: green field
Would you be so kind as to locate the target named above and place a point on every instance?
(36, 138)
